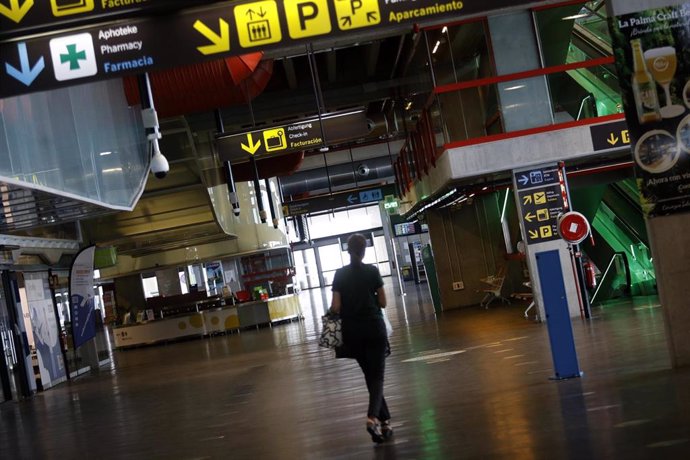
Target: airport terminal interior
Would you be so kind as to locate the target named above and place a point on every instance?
(169, 236)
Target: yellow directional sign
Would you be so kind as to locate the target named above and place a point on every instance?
(610, 135)
(258, 23)
(354, 14)
(546, 231)
(17, 9)
(540, 198)
(307, 18)
(274, 139)
(613, 140)
(543, 215)
(67, 8)
(533, 234)
(221, 41)
(527, 199)
(251, 147)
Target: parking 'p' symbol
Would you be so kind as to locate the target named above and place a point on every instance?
(307, 18)
(307, 11)
(355, 5)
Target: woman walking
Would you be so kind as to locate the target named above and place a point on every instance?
(358, 298)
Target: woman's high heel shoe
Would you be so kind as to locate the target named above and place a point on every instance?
(374, 431)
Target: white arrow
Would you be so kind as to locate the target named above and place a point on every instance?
(352, 199)
(523, 180)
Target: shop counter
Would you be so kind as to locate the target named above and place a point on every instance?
(187, 325)
(207, 322)
(270, 310)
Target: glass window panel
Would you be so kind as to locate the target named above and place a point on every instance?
(80, 141)
(573, 33)
(348, 221)
(525, 104)
(460, 53)
(328, 277)
(330, 257)
(381, 249)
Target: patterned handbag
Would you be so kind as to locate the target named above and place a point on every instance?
(332, 332)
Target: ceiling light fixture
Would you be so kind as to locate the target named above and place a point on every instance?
(513, 88)
(444, 30)
(577, 16)
(438, 43)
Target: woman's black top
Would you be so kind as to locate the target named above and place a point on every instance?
(357, 285)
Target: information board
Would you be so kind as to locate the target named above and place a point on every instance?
(541, 201)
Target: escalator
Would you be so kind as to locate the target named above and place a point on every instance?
(584, 92)
(621, 250)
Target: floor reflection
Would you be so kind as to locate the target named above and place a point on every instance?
(463, 384)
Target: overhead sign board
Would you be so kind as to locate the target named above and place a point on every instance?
(337, 200)
(24, 17)
(302, 135)
(222, 29)
(541, 201)
(610, 135)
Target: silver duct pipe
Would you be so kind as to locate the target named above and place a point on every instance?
(346, 175)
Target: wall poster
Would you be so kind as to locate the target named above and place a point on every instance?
(652, 51)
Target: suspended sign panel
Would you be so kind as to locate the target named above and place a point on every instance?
(135, 46)
(23, 17)
(302, 135)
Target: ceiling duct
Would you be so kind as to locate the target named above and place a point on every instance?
(206, 86)
(342, 176)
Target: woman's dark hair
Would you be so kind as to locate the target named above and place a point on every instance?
(356, 245)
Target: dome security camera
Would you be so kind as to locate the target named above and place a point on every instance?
(362, 170)
(159, 164)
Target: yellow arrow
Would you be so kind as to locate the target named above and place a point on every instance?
(221, 42)
(252, 147)
(529, 217)
(16, 12)
(533, 234)
(613, 140)
(527, 199)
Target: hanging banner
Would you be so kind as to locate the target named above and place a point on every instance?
(651, 51)
(82, 298)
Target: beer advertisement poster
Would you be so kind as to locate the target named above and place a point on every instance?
(652, 52)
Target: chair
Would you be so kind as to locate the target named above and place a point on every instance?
(494, 285)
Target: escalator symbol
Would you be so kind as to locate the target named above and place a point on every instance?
(274, 139)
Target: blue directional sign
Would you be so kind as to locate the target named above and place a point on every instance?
(337, 200)
(371, 195)
(26, 73)
(537, 177)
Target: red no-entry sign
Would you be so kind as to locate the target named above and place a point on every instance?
(573, 227)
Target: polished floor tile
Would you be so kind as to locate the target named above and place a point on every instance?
(469, 384)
